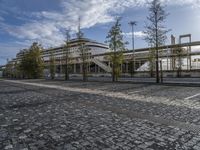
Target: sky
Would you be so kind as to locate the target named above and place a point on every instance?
(23, 22)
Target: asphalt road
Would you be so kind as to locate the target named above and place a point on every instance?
(44, 114)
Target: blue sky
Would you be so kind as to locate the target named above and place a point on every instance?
(45, 21)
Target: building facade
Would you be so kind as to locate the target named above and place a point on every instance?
(95, 65)
(99, 64)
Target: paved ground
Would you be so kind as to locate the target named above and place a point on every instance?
(51, 115)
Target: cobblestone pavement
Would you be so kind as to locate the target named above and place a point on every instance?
(51, 115)
(189, 80)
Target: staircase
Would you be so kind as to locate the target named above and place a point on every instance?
(144, 67)
(102, 65)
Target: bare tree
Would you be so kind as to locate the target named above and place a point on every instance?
(84, 53)
(155, 31)
(151, 59)
(67, 55)
(52, 66)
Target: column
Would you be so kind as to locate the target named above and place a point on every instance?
(95, 68)
(126, 67)
(81, 68)
(74, 68)
(98, 68)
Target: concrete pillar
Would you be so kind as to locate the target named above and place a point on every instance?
(109, 63)
(81, 68)
(74, 68)
(60, 64)
(95, 68)
(89, 68)
(188, 59)
(140, 63)
(167, 60)
(126, 67)
(98, 68)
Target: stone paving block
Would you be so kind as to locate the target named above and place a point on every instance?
(34, 117)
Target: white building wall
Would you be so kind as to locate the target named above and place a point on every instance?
(75, 51)
(1, 74)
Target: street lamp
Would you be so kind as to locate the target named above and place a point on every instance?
(132, 24)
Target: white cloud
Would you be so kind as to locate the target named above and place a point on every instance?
(44, 32)
(138, 34)
(8, 51)
(193, 3)
(48, 26)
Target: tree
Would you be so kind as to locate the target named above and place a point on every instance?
(8, 72)
(117, 46)
(179, 52)
(67, 55)
(155, 31)
(84, 53)
(151, 59)
(32, 64)
(38, 63)
(16, 70)
(25, 64)
(52, 66)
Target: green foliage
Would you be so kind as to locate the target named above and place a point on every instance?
(32, 65)
(117, 60)
(8, 72)
(16, 70)
(52, 66)
(117, 46)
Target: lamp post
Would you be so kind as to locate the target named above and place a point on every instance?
(132, 24)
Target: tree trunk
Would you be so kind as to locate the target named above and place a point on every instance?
(66, 72)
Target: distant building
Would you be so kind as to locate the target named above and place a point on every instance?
(100, 64)
(94, 47)
(1, 71)
(96, 65)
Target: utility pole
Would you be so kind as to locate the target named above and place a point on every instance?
(132, 24)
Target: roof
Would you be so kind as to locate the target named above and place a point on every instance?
(86, 40)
